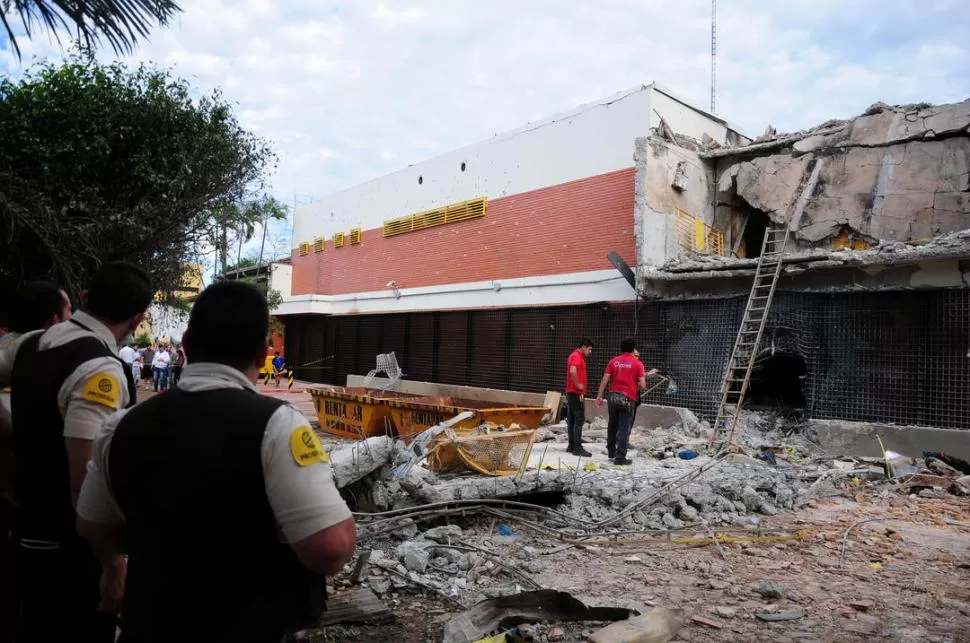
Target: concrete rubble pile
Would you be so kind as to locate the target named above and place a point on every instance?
(774, 473)
(469, 538)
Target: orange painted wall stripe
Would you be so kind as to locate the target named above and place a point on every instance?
(560, 229)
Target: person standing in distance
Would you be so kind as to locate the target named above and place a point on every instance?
(626, 378)
(66, 381)
(223, 498)
(576, 396)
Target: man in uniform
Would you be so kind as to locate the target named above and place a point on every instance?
(576, 396)
(66, 381)
(35, 305)
(222, 498)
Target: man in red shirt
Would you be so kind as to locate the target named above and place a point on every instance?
(575, 396)
(626, 378)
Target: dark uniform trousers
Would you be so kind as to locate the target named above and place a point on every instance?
(57, 574)
(205, 557)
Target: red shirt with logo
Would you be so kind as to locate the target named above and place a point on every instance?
(576, 359)
(625, 372)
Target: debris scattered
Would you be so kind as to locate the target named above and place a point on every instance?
(780, 616)
(659, 625)
(708, 622)
(769, 589)
(503, 612)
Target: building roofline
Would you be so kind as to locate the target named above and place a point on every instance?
(555, 118)
(686, 103)
(528, 127)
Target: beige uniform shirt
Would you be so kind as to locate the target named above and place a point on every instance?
(96, 389)
(304, 498)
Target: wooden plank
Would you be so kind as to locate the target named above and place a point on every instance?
(552, 401)
(358, 606)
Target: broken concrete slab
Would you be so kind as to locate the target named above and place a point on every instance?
(355, 461)
(858, 439)
(507, 611)
(659, 625)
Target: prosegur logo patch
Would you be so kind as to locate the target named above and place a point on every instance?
(101, 388)
(305, 447)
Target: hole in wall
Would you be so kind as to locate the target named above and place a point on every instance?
(777, 381)
(420, 180)
(462, 166)
(754, 232)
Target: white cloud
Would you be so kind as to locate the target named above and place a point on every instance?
(348, 91)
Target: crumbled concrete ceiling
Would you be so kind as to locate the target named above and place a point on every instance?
(892, 174)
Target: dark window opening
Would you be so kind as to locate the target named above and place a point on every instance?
(420, 180)
(462, 166)
(754, 232)
(777, 382)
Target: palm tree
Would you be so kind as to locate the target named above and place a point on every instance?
(121, 22)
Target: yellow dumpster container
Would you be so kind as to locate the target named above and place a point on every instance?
(416, 414)
(354, 412)
(359, 412)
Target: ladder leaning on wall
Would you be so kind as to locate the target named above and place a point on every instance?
(737, 377)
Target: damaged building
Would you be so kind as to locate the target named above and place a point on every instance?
(485, 266)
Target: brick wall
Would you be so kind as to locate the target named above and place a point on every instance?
(559, 229)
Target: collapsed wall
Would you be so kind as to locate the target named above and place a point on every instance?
(893, 174)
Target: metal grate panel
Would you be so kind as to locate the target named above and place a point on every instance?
(896, 357)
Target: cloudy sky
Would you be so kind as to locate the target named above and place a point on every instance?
(347, 91)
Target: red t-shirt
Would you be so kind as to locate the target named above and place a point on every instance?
(625, 372)
(576, 359)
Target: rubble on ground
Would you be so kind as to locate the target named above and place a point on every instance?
(467, 538)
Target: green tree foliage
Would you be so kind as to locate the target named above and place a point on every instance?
(122, 23)
(107, 162)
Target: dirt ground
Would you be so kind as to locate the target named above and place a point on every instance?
(903, 573)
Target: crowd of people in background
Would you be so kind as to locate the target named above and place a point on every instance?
(159, 364)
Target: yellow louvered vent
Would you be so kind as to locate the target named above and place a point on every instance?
(319, 244)
(355, 236)
(439, 216)
(696, 236)
(304, 248)
(338, 240)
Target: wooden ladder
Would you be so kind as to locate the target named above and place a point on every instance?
(737, 377)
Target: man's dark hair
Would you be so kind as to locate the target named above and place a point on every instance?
(33, 304)
(118, 292)
(627, 345)
(228, 325)
(586, 342)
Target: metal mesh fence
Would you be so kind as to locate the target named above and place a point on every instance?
(900, 357)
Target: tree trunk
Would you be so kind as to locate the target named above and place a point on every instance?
(262, 242)
(242, 232)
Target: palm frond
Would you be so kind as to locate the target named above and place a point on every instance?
(121, 22)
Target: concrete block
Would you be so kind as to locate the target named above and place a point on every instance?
(659, 625)
(648, 415)
(859, 439)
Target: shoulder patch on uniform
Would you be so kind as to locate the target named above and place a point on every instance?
(102, 388)
(306, 447)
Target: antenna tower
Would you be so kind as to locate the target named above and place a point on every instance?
(713, 53)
